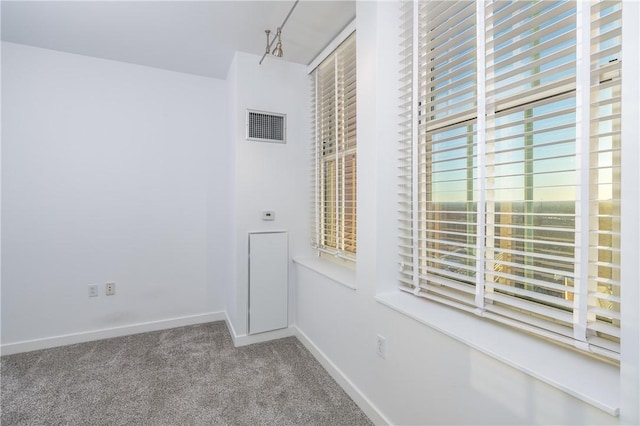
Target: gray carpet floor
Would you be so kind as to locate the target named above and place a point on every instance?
(183, 376)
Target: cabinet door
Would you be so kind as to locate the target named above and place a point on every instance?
(268, 281)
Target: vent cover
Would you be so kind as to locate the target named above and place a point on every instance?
(266, 126)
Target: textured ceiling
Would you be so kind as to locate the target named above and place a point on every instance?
(197, 37)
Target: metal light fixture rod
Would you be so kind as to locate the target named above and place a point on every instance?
(281, 27)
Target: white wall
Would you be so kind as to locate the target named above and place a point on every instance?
(105, 177)
(427, 377)
(0, 179)
(630, 258)
(269, 176)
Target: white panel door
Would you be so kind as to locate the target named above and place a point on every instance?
(268, 281)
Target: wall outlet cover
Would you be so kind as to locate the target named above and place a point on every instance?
(110, 289)
(93, 290)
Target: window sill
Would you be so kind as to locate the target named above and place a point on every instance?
(340, 274)
(592, 381)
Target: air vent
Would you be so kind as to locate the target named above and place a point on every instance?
(266, 126)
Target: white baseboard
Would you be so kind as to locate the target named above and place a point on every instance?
(358, 397)
(250, 339)
(70, 339)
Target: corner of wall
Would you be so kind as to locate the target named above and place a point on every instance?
(232, 137)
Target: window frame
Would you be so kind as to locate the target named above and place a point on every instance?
(410, 243)
(334, 151)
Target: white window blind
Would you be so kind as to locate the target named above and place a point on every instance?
(510, 163)
(334, 152)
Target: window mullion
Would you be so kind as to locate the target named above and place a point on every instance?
(481, 127)
(337, 151)
(343, 235)
(487, 159)
(583, 123)
(317, 163)
(416, 148)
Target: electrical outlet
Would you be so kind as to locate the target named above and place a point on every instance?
(110, 289)
(382, 347)
(93, 290)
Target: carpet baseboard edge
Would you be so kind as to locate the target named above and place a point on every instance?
(107, 333)
(358, 397)
(250, 339)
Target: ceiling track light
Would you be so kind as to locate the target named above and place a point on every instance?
(277, 51)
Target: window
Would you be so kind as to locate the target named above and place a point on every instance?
(334, 152)
(510, 164)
